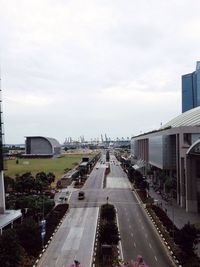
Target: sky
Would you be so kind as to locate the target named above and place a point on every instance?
(72, 68)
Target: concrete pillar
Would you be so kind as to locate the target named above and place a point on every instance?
(2, 193)
(182, 171)
(191, 185)
(178, 169)
(182, 183)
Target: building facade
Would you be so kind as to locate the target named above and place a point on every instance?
(42, 146)
(169, 152)
(191, 89)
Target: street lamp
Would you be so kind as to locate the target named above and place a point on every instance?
(43, 223)
(43, 230)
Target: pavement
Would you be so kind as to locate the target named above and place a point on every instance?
(177, 214)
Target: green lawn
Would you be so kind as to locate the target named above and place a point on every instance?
(55, 165)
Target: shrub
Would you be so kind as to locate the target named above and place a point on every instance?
(109, 233)
(107, 212)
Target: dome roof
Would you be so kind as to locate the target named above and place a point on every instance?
(188, 118)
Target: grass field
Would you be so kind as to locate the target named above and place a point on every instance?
(55, 165)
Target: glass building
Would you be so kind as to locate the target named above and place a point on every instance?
(191, 89)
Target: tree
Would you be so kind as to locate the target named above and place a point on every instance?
(29, 236)
(24, 183)
(108, 212)
(8, 183)
(188, 238)
(50, 177)
(11, 251)
(107, 155)
(109, 233)
(170, 183)
(43, 180)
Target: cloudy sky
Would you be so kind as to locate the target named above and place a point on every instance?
(90, 67)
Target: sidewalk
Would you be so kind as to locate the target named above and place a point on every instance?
(177, 214)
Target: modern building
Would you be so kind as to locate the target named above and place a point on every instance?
(173, 151)
(42, 146)
(191, 89)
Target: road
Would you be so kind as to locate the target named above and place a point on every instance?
(138, 236)
(75, 238)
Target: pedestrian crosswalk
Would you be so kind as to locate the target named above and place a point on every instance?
(117, 182)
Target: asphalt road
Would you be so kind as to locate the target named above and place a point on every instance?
(138, 236)
(75, 238)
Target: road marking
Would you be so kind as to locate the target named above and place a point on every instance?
(143, 227)
(134, 245)
(96, 221)
(132, 234)
(120, 243)
(129, 226)
(146, 235)
(150, 245)
(155, 258)
(128, 219)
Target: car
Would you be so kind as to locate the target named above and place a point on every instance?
(81, 195)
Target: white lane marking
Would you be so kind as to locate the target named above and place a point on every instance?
(128, 219)
(146, 235)
(102, 181)
(155, 258)
(134, 245)
(120, 182)
(142, 227)
(132, 234)
(150, 245)
(120, 243)
(96, 215)
(73, 239)
(129, 226)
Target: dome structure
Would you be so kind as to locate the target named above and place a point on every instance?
(40, 145)
(188, 118)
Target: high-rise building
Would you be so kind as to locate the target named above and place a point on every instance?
(191, 89)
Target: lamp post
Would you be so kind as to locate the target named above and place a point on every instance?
(43, 224)
(43, 231)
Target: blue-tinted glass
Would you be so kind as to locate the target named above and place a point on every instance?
(198, 88)
(187, 92)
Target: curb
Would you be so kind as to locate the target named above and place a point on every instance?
(50, 239)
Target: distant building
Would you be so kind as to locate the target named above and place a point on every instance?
(191, 89)
(42, 146)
